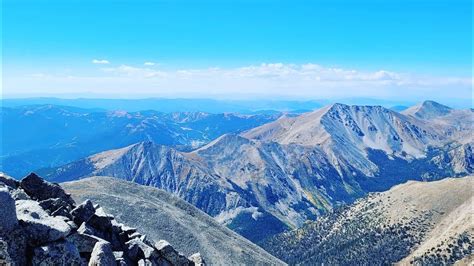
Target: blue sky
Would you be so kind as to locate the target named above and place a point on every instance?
(415, 42)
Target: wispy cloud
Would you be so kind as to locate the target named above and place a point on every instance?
(275, 79)
(149, 63)
(136, 72)
(100, 61)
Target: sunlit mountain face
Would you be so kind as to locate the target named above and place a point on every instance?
(48, 135)
(236, 132)
(283, 173)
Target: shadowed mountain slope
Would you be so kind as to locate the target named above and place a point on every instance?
(285, 172)
(50, 135)
(163, 216)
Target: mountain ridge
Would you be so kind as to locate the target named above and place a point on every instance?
(428, 110)
(42, 225)
(64, 134)
(161, 215)
(246, 179)
(412, 223)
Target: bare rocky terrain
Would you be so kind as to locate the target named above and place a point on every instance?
(421, 223)
(40, 224)
(64, 134)
(308, 188)
(283, 173)
(161, 215)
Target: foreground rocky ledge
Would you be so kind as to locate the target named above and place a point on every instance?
(40, 224)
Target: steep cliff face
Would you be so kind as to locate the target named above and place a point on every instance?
(345, 133)
(294, 169)
(159, 166)
(182, 174)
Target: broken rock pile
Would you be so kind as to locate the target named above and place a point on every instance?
(40, 224)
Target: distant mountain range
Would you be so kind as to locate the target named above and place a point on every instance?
(48, 135)
(280, 174)
(174, 105)
(420, 223)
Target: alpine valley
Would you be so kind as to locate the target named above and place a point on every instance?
(38, 136)
(263, 174)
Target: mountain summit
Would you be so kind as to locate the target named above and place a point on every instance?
(283, 173)
(350, 130)
(428, 110)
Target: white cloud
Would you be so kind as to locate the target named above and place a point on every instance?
(136, 72)
(100, 61)
(149, 63)
(267, 79)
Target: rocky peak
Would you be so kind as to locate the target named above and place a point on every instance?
(41, 224)
(226, 141)
(338, 106)
(355, 109)
(41, 190)
(435, 106)
(428, 110)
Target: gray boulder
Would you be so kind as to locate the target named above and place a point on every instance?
(197, 259)
(40, 189)
(118, 238)
(135, 235)
(84, 242)
(38, 225)
(122, 259)
(170, 254)
(126, 229)
(19, 194)
(56, 253)
(73, 226)
(15, 244)
(86, 228)
(137, 250)
(146, 262)
(147, 240)
(5, 258)
(101, 220)
(83, 212)
(118, 255)
(9, 181)
(102, 254)
(121, 262)
(8, 218)
(56, 206)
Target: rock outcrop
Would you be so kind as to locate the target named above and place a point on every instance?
(161, 215)
(8, 218)
(44, 226)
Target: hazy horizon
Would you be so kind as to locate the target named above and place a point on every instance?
(408, 50)
(216, 105)
(236, 132)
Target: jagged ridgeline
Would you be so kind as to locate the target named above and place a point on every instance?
(421, 223)
(278, 175)
(40, 224)
(161, 215)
